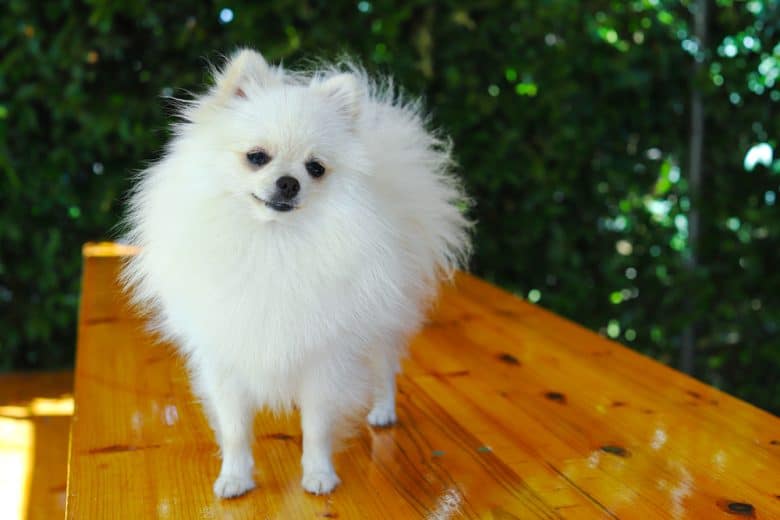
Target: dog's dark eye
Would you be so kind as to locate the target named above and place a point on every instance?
(315, 169)
(258, 158)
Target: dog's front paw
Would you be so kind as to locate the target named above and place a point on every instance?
(320, 482)
(382, 416)
(229, 486)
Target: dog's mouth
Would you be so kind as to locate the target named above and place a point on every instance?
(278, 205)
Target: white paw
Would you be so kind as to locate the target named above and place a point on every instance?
(382, 416)
(320, 482)
(229, 486)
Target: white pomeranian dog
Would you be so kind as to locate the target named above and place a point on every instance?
(291, 239)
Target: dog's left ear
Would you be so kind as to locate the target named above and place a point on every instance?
(344, 91)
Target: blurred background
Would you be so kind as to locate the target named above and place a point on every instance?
(622, 153)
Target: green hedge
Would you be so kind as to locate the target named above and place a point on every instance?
(570, 119)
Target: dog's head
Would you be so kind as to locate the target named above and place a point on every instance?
(276, 141)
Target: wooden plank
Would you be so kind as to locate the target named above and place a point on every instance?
(506, 411)
(35, 414)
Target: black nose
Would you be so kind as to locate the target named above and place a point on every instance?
(288, 187)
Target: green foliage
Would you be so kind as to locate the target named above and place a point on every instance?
(570, 119)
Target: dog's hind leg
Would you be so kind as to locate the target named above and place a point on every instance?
(385, 365)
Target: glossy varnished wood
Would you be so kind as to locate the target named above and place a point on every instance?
(35, 415)
(506, 411)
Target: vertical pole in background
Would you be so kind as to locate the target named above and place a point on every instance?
(687, 352)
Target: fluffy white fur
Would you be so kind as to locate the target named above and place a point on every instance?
(310, 307)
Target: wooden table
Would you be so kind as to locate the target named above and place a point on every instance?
(35, 418)
(506, 411)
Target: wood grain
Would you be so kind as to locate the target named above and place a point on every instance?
(506, 411)
(35, 414)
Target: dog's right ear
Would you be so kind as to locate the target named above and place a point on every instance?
(244, 74)
(245, 71)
